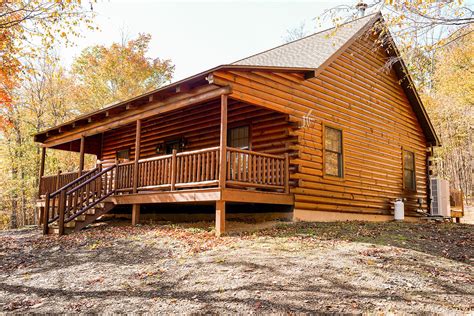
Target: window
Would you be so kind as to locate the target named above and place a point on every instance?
(123, 155)
(239, 137)
(177, 144)
(409, 180)
(166, 148)
(333, 157)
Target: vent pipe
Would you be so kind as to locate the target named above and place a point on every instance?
(361, 7)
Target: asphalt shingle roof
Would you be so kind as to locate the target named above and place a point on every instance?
(308, 52)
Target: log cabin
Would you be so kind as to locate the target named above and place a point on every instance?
(319, 125)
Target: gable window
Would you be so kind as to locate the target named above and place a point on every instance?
(239, 137)
(123, 155)
(333, 154)
(409, 178)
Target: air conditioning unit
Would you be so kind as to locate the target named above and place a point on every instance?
(440, 205)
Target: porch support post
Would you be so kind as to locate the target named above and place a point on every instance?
(136, 207)
(220, 217)
(135, 214)
(223, 142)
(138, 135)
(43, 158)
(81, 155)
(40, 183)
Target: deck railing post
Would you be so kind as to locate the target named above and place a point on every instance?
(46, 214)
(62, 207)
(223, 142)
(81, 155)
(287, 173)
(58, 179)
(41, 171)
(137, 155)
(173, 169)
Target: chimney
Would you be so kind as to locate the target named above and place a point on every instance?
(361, 6)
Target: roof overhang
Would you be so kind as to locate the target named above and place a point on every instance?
(182, 86)
(412, 94)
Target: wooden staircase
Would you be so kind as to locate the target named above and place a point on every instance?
(80, 202)
(83, 220)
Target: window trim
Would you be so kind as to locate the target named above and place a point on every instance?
(343, 164)
(230, 127)
(412, 151)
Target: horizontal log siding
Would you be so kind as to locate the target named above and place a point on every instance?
(369, 105)
(200, 127)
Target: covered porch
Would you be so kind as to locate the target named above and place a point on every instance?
(215, 150)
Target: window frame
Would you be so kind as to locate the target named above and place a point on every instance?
(129, 153)
(342, 153)
(231, 127)
(411, 151)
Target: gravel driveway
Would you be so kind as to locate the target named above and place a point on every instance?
(185, 269)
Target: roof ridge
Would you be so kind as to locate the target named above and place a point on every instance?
(306, 37)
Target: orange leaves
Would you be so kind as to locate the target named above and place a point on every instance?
(104, 73)
(24, 22)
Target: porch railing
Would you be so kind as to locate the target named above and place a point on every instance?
(247, 168)
(194, 169)
(54, 182)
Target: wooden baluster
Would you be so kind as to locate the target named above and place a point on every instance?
(207, 164)
(192, 161)
(165, 171)
(287, 173)
(173, 169)
(270, 162)
(249, 167)
(272, 171)
(181, 169)
(157, 173)
(117, 174)
(212, 162)
(62, 206)
(277, 172)
(254, 165)
(216, 174)
(150, 170)
(198, 168)
(69, 208)
(228, 164)
(177, 169)
(53, 200)
(114, 172)
(46, 214)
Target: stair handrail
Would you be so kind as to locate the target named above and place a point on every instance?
(95, 202)
(64, 194)
(85, 175)
(91, 179)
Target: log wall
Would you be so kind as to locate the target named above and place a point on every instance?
(199, 125)
(353, 93)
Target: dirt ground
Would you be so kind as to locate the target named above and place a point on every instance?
(351, 267)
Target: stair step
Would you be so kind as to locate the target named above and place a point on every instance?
(54, 230)
(70, 224)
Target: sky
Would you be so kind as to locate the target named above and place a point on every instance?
(198, 35)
